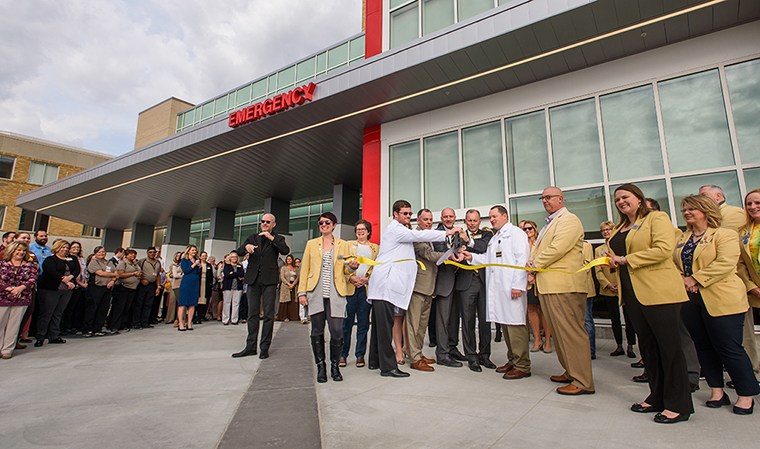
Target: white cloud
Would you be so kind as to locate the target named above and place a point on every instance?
(79, 72)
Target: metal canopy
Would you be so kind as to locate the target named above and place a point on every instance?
(188, 174)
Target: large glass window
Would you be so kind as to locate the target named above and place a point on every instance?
(40, 173)
(527, 208)
(305, 70)
(436, 14)
(259, 89)
(483, 165)
(689, 185)
(631, 135)
(404, 25)
(575, 144)
(694, 120)
(656, 190)
(405, 174)
(6, 166)
(299, 229)
(286, 78)
(744, 89)
(590, 205)
(441, 155)
(337, 56)
(469, 8)
(752, 179)
(207, 111)
(244, 95)
(32, 221)
(527, 153)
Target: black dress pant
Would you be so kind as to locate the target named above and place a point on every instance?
(143, 304)
(661, 351)
(73, 316)
(123, 298)
(52, 303)
(472, 303)
(431, 325)
(258, 292)
(613, 307)
(381, 352)
(98, 301)
(718, 340)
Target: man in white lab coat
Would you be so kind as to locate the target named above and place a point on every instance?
(391, 284)
(506, 300)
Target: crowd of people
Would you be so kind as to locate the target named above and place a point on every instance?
(686, 296)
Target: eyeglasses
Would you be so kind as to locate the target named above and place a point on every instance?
(265, 221)
(361, 230)
(324, 222)
(406, 214)
(607, 230)
(527, 228)
(547, 197)
(688, 209)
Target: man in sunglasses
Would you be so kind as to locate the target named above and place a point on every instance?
(392, 283)
(262, 276)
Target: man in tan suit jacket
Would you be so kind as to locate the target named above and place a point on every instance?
(733, 217)
(563, 296)
(418, 314)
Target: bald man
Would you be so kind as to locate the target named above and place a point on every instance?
(563, 296)
(262, 276)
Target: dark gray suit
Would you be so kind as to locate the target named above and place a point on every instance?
(470, 286)
(446, 303)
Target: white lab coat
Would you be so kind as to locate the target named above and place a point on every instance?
(393, 282)
(512, 242)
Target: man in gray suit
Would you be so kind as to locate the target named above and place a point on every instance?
(418, 313)
(447, 302)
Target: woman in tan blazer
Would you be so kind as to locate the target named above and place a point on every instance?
(323, 287)
(608, 290)
(707, 257)
(357, 306)
(288, 310)
(650, 286)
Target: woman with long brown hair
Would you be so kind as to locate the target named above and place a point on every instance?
(535, 315)
(17, 277)
(189, 288)
(288, 310)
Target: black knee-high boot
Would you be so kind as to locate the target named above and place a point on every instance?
(335, 347)
(318, 346)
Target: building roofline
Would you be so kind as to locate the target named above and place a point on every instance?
(56, 144)
(162, 102)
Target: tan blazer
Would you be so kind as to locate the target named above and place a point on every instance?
(588, 256)
(714, 269)
(311, 265)
(604, 273)
(733, 217)
(284, 279)
(560, 248)
(374, 247)
(649, 246)
(746, 269)
(424, 284)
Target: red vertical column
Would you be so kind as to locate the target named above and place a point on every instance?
(371, 177)
(373, 28)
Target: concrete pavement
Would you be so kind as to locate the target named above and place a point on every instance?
(161, 388)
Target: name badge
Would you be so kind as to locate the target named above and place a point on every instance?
(108, 269)
(498, 251)
(680, 245)
(635, 227)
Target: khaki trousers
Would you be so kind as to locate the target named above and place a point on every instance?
(517, 337)
(749, 340)
(565, 316)
(10, 321)
(417, 317)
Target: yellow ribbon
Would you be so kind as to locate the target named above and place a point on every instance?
(369, 261)
(592, 264)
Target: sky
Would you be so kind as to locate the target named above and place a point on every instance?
(79, 72)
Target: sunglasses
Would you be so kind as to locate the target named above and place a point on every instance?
(324, 222)
(406, 214)
(527, 228)
(265, 221)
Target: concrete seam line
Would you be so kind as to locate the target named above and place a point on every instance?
(407, 97)
(521, 418)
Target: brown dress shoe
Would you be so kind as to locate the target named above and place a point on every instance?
(505, 369)
(572, 390)
(515, 373)
(20, 346)
(560, 379)
(421, 366)
(427, 360)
